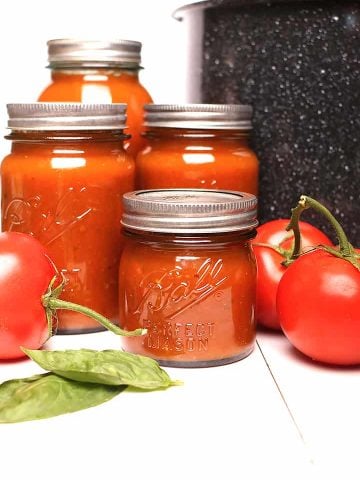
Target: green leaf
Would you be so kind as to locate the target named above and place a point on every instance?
(109, 367)
(48, 395)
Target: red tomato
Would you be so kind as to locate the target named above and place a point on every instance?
(25, 275)
(269, 261)
(318, 305)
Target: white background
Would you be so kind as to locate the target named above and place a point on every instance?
(26, 26)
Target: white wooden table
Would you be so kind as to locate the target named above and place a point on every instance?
(273, 415)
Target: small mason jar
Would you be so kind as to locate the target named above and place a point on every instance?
(62, 183)
(198, 146)
(188, 275)
(99, 71)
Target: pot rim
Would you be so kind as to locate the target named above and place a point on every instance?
(207, 4)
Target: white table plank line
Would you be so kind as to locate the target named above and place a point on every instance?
(282, 395)
(324, 401)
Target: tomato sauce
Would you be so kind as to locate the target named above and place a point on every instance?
(193, 292)
(84, 73)
(65, 187)
(196, 153)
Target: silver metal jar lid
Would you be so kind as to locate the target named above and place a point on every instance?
(66, 116)
(93, 53)
(199, 116)
(189, 211)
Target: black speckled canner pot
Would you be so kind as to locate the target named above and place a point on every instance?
(298, 64)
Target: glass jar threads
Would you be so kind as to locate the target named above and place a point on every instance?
(188, 275)
(198, 146)
(94, 71)
(63, 182)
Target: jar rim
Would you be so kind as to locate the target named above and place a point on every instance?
(69, 52)
(65, 116)
(203, 116)
(189, 211)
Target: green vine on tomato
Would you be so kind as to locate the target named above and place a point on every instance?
(29, 296)
(273, 248)
(345, 251)
(52, 303)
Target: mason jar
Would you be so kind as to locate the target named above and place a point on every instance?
(62, 183)
(99, 71)
(198, 146)
(188, 275)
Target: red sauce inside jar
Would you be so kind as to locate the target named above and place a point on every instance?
(198, 150)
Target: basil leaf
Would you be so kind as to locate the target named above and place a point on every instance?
(109, 367)
(48, 395)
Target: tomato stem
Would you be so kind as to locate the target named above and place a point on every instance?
(345, 251)
(284, 252)
(295, 227)
(276, 248)
(53, 304)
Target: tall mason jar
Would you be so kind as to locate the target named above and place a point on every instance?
(62, 183)
(98, 71)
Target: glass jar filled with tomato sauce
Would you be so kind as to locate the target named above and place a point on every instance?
(62, 183)
(198, 146)
(92, 71)
(188, 275)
